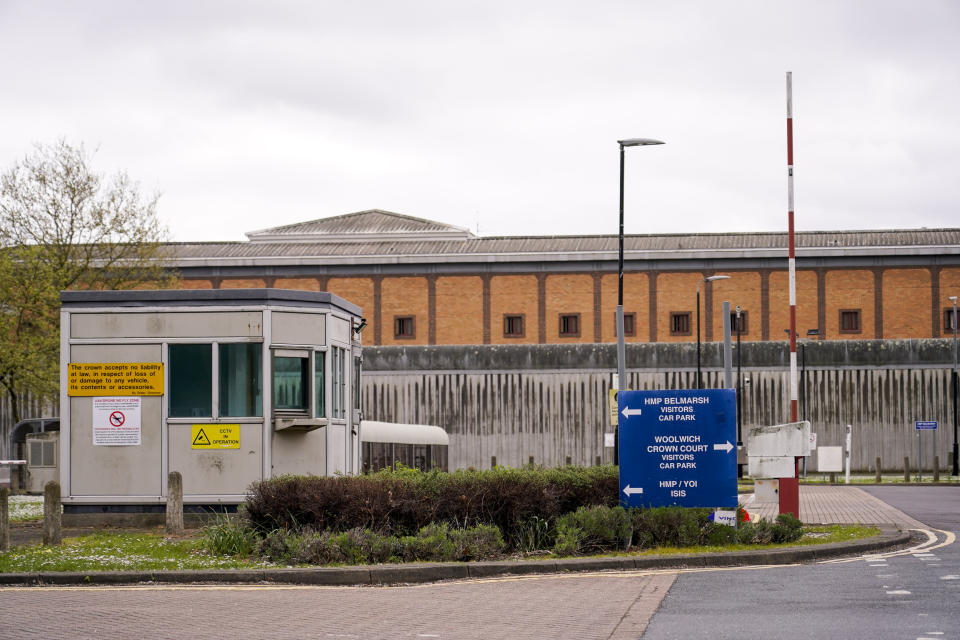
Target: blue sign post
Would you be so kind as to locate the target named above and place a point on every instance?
(678, 448)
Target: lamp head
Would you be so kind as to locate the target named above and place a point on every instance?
(638, 142)
(953, 299)
(712, 278)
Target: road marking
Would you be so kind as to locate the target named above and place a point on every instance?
(950, 577)
(886, 575)
(898, 592)
(930, 544)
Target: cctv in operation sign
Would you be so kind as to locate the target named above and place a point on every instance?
(678, 448)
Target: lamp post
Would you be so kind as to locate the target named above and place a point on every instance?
(953, 379)
(621, 348)
(739, 394)
(707, 279)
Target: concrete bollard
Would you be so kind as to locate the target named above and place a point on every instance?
(906, 468)
(174, 504)
(936, 468)
(879, 467)
(4, 519)
(569, 461)
(599, 461)
(52, 531)
(531, 461)
(493, 462)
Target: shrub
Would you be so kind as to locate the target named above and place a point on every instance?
(403, 502)
(229, 537)
(568, 541)
(600, 528)
(477, 543)
(532, 534)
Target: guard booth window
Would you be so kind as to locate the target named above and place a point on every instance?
(240, 367)
(291, 380)
(320, 382)
(357, 364)
(338, 380)
(191, 380)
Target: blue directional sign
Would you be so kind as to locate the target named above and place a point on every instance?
(678, 448)
(925, 425)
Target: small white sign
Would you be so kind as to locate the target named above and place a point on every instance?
(813, 441)
(116, 421)
(729, 518)
(609, 440)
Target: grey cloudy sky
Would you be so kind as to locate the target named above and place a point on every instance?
(246, 115)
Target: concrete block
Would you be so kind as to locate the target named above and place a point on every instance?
(772, 467)
(502, 568)
(791, 439)
(766, 490)
(830, 459)
(398, 573)
(331, 576)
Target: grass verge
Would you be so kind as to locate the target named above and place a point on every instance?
(154, 552)
(120, 552)
(813, 535)
(26, 508)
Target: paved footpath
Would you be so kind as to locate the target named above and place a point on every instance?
(832, 504)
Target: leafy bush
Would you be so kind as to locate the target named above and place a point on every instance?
(568, 541)
(229, 537)
(403, 502)
(600, 528)
(784, 529)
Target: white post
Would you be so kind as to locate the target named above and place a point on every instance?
(849, 438)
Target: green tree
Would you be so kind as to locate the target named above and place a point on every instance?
(63, 226)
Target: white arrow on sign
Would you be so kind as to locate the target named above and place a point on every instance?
(726, 446)
(627, 412)
(632, 490)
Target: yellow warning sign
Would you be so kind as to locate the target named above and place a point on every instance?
(115, 379)
(613, 407)
(215, 436)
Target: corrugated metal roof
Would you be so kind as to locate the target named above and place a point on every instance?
(365, 224)
(516, 247)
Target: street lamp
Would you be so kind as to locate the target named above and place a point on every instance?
(621, 348)
(707, 279)
(953, 386)
(739, 394)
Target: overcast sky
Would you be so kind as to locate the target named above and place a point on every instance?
(502, 115)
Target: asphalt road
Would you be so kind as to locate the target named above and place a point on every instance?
(912, 595)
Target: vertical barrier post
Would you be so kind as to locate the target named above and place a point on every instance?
(4, 519)
(174, 504)
(879, 479)
(52, 533)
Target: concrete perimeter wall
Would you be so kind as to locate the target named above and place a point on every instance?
(549, 401)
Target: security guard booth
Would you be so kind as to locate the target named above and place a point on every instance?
(225, 386)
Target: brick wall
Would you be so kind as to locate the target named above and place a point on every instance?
(458, 309)
(459, 315)
(515, 295)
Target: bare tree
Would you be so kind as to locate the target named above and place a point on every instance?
(64, 226)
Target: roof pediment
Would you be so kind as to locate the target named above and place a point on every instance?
(363, 226)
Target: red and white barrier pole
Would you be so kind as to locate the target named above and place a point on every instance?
(789, 487)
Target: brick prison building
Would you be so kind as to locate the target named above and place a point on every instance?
(421, 282)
